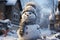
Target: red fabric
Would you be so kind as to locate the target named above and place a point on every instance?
(5, 32)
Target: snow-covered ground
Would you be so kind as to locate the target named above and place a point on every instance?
(8, 38)
(12, 35)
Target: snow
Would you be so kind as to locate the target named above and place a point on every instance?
(7, 38)
(45, 32)
(57, 12)
(47, 7)
(5, 21)
(13, 36)
(54, 36)
(11, 2)
(51, 17)
(10, 36)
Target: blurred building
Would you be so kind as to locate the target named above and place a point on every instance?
(52, 21)
(16, 10)
(11, 12)
(55, 23)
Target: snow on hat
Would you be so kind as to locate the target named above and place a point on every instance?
(31, 4)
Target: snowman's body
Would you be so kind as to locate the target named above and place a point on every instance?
(32, 32)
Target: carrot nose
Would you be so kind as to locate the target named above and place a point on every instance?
(27, 15)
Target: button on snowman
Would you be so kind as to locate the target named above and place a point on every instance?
(29, 29)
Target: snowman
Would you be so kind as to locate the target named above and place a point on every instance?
(29, 29)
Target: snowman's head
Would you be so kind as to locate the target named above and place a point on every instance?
(29, 13)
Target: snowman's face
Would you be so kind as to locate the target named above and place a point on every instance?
(28, 16)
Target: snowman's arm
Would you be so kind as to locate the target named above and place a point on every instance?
(21, 27)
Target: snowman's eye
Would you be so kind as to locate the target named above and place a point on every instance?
(29, 13)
